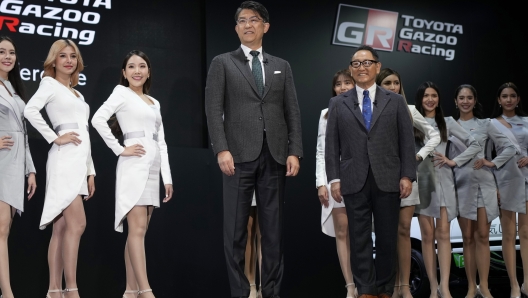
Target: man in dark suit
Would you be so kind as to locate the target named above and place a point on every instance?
(255, 128)
(370, 163)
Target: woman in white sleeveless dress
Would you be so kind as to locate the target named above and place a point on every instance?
(512, 181)
(391, 80)
(334, 220)
(15, 158)
(140, 162)
(69, 160)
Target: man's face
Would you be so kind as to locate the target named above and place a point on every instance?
(364, 76)
(250, 28)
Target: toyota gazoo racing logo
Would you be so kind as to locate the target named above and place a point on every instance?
(48, 20)
(378, 28)
(359, 25)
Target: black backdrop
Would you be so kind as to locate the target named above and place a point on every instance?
(184, 243)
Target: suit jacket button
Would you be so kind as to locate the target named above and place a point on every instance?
(260, 118)
(262, 102)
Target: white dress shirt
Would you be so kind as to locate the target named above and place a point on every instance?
(250, 58)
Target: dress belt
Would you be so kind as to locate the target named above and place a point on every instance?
(138, 134)
(68, 126)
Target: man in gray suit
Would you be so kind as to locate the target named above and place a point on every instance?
(255, 128)
(370, 163)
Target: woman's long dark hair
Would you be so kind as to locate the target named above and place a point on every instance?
(477, 109)
(114, 126)
(343, 72)
(497, 111)
(14, 75)
(439, 113)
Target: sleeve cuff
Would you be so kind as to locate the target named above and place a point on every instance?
(335, 180)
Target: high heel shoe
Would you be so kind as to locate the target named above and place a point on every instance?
(401, 296)
(523, 291)
(438, 293)
(52, 291)
(68, 290)
(129, 292)
(355, 291)
(144, 291)
(479, 293)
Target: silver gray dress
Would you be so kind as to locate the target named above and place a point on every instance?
(437, 185)
(17, 162)
(477, 188)
(512, 180)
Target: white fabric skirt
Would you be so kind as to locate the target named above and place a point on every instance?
(150, 195)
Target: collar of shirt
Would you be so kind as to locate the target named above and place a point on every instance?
(372, 95)
(249, 56)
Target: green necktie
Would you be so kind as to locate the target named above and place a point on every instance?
(256, 68)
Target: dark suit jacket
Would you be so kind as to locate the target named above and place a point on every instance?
(237, 114)
(388, 148)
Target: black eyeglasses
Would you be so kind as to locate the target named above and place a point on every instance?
(365, 63)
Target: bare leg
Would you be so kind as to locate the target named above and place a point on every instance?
(404, 251)
(427, 228)
(343, 247)
(258, 240)
(523, 237)
(483, 250)
(55, 261)
(138, 219)
(443, 241)
(75, 225)
(131, 282)
(6, 218)
(251, 251)
(509, 233)
(468, 228)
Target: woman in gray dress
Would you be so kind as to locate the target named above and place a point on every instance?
(437, 187)
(15, 158)
(512, 182)
(390, 79)
(476, 187)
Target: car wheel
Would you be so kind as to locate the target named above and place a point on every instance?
(418, 281)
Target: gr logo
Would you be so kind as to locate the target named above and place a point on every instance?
(360, 25)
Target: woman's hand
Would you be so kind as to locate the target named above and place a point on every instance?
(322, 192)
(440, 160)
(91, 187)
(134, 150)
(522, 162)
(32, 185)
(6, 143)
(168, 193)
(69, 137)
(483, 162)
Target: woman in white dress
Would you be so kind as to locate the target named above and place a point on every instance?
(391, 80)
(69, 161)
(15, 158)
(438, 203)
(512, 181)
(334, 220)
(138, 119)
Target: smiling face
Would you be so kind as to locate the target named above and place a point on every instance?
(7, 58)
(66, 61)
(252, 28)
(365, 76)
(508, 99)
(391, 83)
(343, 84)
(465, 101)
(136, 72)
(430, 100)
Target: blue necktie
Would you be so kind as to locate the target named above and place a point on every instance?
(367, 110)
(256, 69)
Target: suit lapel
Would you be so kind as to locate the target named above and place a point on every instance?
(381, 101)
(11, 103)
(351, 101)
(268, 72)
(240, 60)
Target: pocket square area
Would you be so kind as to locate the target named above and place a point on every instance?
(277, 71)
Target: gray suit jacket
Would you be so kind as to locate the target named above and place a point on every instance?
(237, 115)
(388, 148)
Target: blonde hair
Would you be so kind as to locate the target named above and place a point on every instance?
(56, 48)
